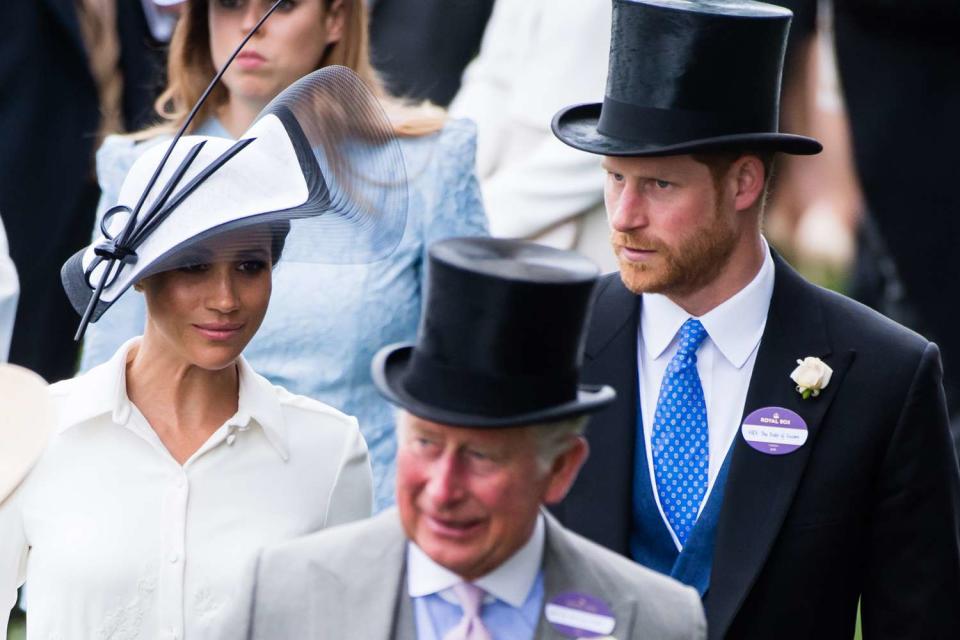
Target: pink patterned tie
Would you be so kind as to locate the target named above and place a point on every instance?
(471, 626)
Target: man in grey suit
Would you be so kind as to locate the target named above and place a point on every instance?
(489, 432)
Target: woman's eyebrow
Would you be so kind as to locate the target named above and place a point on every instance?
(200, 254)
(258, 253)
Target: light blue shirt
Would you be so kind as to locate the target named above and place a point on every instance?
(514, 592)
(436, 616)
(326, 322)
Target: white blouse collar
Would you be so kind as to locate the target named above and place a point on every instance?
(103, 389)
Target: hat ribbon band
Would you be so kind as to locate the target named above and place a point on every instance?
(638, 123)
(492, 395)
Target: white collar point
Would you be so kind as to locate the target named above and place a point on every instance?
(510, 582)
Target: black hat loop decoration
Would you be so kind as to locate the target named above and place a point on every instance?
(111, 248)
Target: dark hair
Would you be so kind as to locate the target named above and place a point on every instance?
(278, 239)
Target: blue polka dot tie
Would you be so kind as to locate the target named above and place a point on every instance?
(679, 440)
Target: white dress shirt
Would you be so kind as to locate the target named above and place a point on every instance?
(9, 293)
(117, 540)
(724, 362)
(510, 583)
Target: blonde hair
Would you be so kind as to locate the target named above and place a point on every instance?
(190, 69)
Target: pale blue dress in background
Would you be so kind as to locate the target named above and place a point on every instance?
(326, 322)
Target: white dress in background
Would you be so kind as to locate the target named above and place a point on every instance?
(9, 293)
(537, 57)
(117, 540)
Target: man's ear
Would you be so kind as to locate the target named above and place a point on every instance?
(748, 175)
(564, 471)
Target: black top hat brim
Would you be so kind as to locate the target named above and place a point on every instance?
(391, 364)
(577, 127)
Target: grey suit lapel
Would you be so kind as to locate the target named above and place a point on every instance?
(405, 625)
(370, 585)
(565, 570)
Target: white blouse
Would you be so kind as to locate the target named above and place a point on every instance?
(117, 540)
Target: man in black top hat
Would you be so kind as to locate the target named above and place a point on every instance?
(784, 494)
(492, 412)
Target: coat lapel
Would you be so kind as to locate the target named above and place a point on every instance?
(565, 570)
(598, 507)
(760, 487)
(405, 624)
(375, 585)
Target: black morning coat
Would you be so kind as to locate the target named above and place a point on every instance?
(867, 509)
(49, 117)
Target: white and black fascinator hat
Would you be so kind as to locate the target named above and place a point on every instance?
(320, 162)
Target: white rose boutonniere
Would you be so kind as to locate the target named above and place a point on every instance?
(811, 375)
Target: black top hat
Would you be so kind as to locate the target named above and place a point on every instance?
(688, 76)
(501, 339)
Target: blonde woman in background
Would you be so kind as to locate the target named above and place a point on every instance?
(321, 331)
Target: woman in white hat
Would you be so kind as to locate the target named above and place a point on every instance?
(172, 463)
(321, 331)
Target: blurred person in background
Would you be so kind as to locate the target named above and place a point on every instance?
(68, 70)
(536, 57)
(324, 325)
(815, 207)
(28, 420)
(897, 63)
(9, 292)
(420, 47)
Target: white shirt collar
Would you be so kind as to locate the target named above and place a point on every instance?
(735, 326)
(103, 389)
(510, 582)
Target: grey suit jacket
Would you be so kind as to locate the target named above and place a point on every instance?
(349, 582)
